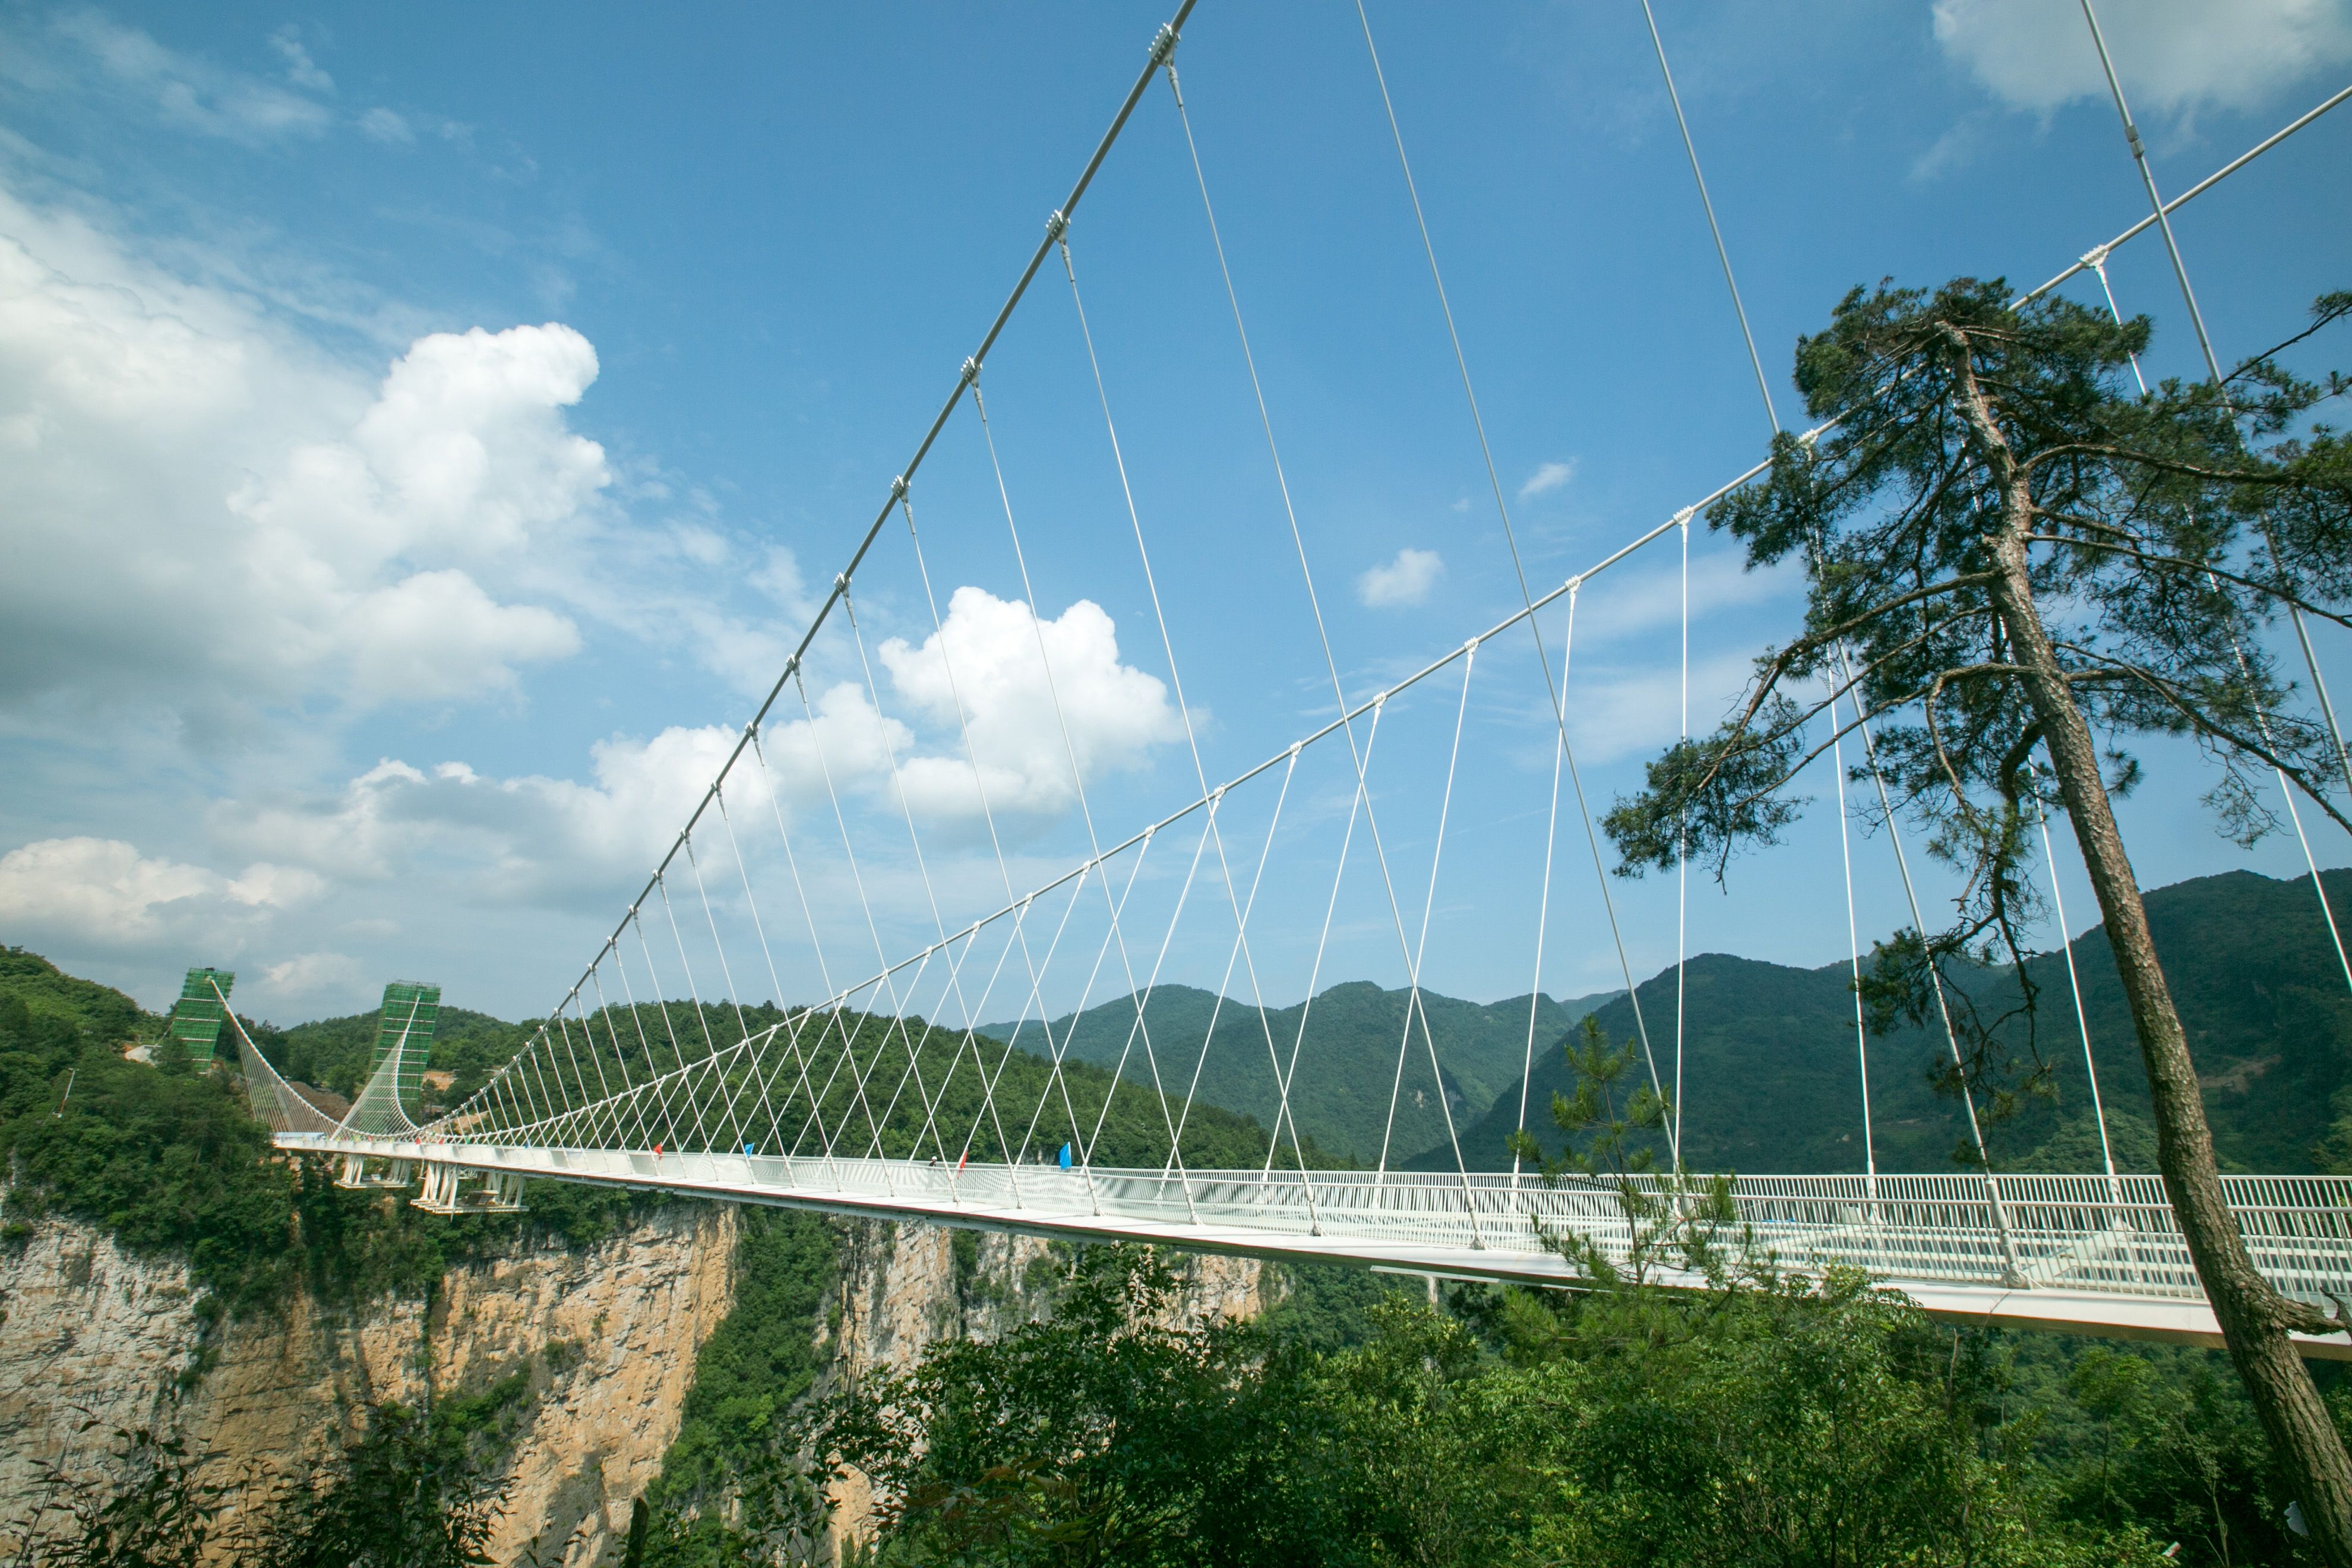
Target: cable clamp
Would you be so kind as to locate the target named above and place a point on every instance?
(1056, 226)
(2095, 258)
(1163, 45)
(1382, 700)
(1683, 518)
(841, 584)
(1296, 747)
(1471, 645)
(899, 487)
(971, 370)
(1217, 794)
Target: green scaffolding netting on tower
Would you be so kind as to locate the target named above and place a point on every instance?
(198, 1015)
(410, 1010)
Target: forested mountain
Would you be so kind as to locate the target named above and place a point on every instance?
(1770, 1080)
(1346, 1067)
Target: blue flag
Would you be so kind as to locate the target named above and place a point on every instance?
(1066, 1156)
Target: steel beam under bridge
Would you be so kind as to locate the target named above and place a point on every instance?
(2081, 1254)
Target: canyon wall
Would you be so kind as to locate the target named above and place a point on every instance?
(94, 1342)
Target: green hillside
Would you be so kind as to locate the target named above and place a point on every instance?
(1346, 1061)
(1770, 1080)
(100, 1012)
(333, 1053)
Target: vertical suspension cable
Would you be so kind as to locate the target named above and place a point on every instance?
(1682, 855)
(2213, 366)
(971, 752)
(1853, 947)
(1290, 511)
(857, 879)
(767, 956)
(694, 993)
(2082, 1019)
(833, 1021)
(1288, 1075)
(1722, 254)
(1052, 690)
(1934, 976)
(1413, 1007)
(1233, 956)
(2098, 260)
(1518, 566)
(1543, 907)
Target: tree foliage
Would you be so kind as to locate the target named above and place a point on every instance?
(2168, 532)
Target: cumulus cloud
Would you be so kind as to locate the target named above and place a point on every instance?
(1406, 580)
(2174, 56)
(209, 514)
(536, 838)
(1115, 713)
(101, 893)
(1547, 477)
(526, 839)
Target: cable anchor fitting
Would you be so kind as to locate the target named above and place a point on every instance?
(1163, 45)
(971, 370)
(899, 489)
(1056, 227)
(1682, 519)
(2095, 258)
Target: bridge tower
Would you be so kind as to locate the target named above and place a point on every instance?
(196, 1017)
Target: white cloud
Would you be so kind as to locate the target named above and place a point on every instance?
(1546, 478)
(382, 124)
(535, 838)
(208, 515)
(1406, 580)
(301, 68)
(309, 973)
(1115, 713)
(1632, 598)
(2174, 56)
(531, 837)
(103, 893)
(191, 93)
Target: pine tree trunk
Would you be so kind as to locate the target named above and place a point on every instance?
(2256, 1320)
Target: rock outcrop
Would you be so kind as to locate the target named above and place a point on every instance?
(95, 1341)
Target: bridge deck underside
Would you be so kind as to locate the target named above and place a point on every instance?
(2081, 1252)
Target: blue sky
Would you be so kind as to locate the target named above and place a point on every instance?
(429, 431)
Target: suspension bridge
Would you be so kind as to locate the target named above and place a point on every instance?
(885, 1098)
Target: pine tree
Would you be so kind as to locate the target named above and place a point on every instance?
(2010, 557)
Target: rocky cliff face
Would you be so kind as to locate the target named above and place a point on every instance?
(94, 1340)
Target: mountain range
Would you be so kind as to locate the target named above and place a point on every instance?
(1347, 1071)
(1771, 1079)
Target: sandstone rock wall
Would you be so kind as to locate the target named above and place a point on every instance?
(93, 1340)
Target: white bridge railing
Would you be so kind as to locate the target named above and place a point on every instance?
(2079, 1236)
